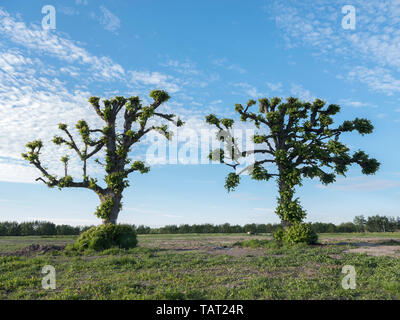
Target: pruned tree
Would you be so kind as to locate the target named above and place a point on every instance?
(299, 140)
(117, 143)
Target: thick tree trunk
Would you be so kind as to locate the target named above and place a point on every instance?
(289, 210)
(285, 224)
(284, 200)
(116, 208)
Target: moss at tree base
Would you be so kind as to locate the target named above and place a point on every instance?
(296, 233)
(106, 236)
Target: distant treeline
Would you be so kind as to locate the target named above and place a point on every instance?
(38, 228)
(360, 224)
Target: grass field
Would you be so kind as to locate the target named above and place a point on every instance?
(206, 266)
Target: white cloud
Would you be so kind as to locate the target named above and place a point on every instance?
(249, 90)
(354, 103)
(298, 91)
(223, 62)
(36, 96)
(81, 2)
(63, 49)
(155, 79)
(381, 115)
(376, 40)
(377, 79)
(69, 11)
(109, 20)
(361, 184)
(187, 67)
(274, 86)
(31, 107)
(219, 101)
(237, 68)
(72, 71)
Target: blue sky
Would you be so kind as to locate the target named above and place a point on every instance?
(208, 55)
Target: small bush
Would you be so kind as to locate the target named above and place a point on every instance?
(296, 233)
(279, 235)
(106, 236)
(299, 233)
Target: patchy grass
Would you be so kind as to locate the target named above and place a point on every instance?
(343, 236)
(256, 243)
(202, 266)
(11, 244)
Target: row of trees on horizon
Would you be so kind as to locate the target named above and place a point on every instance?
(375, 223)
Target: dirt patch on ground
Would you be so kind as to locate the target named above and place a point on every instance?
(371, 246)
(236, 251)
(200, 243)
(219, 250)
(377, 250)
(34, 249)
(358, 239)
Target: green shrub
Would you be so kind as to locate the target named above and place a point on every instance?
(296, 233)
(299, 233)
(278, 235)
(106, 236)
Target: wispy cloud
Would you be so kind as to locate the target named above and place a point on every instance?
(250, 90)
(300, 92)
(274, 86)
(355, 103)
(33, 97)
(362, 184)
(186, 67)
(82, 2)
(223, 62)
(317, 24)
(155, 79)
(377, 79)
(40, 40)
(69, 11)
(109, 20)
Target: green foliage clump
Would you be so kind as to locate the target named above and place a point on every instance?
(288, 209)
(260, 173)
(103, 211)
(116, 181)
(65, 182)
(140, 166)
(34, 149)
(228, 123)
(279, 235)
(217, 155)
(296, 233)
(106, 236)
(212, 119)
(232, 181)
(159, 95)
